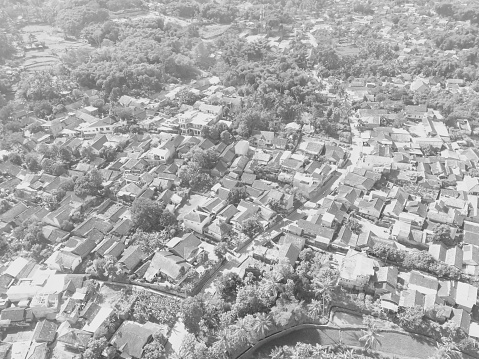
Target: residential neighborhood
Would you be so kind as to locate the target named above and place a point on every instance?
(311, 171)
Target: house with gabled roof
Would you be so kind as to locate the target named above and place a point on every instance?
(423, 283)
(465, 296)
(357, 270)
(130, 339)
(360, 182)
(461, 318)
(412, 298)
(371, 209)
(470, 254)
(386, 280)
(196, 220)
(218, 229)
(166, 264)
(45, 331)
(63, 261)
(131, 258)
(73, 338)
(186, 247)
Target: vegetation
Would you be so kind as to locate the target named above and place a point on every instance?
(420, 260)
(149, 215)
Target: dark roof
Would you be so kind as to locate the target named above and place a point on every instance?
(76, 338)
(84, 248)
(45, 331)
(90, 311)
(132, 256)
(83, 228)
(130, 339)
(13, 314)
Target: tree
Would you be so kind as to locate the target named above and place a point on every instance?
(447, 349)
(241, 330)
(155, 348)
(411, 318)
(442, 234)
(206, 159)
(315, 308)
(156, 308)
(262, 324)
(30, 233)
(15, 158)
(95, 348)
(108, 153)
(251, 227)
(186, 97)
(354, 226)
(225, 136)
(87, 153)
(149, 215)
(221, 249)
(89, 185)
(151, 242)
(236, 195)
(227, 285)
(370, 337)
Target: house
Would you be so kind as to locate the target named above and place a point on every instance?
(63, 261)
(73, 338)
(423, 283)
(104, 126)
(386, 280)
(357, 270)
(96, 322)
(130, 339)
(357, 181)
(461, 318)
(419, 86)
(13, 315)
(470, 254)
(132, 256)
(265, 138)
(465, 296)
(412, 298)
(447, 292)
(163, 154)
(371, 209)
(227, 213)
(289, 252)
(186, 247)
(45, 331)
(193, 122)
(166, 264)
(196, 220)
(218, 229)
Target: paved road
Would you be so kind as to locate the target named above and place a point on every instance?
(139, 287)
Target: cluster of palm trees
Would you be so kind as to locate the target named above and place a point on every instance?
(303, 351)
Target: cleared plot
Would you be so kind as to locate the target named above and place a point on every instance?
(55, 45)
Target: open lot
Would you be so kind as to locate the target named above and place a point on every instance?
(56, 45)
(212, 31)
(194, 201)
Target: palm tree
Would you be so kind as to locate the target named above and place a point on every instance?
(316, 308)
(324, 289)
(370, 337)
(447, 349)
(241, 330)
(278, 353)
(262, 324)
